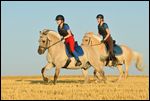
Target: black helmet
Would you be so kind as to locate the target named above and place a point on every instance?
(60, 17)
(100, 16)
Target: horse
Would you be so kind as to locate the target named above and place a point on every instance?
(56, 56)
(128, 55)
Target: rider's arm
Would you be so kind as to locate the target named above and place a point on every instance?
(108, 33)
(68, 30)
(98, 34)
(69, 34)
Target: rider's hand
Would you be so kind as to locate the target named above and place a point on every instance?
(62, 38)
(102, 41)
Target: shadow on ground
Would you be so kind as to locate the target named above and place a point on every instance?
(51, 81)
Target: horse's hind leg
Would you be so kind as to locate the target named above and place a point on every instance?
(120, 71)
(127, 64)
(57, 71)
(48, 66)
(126, 71)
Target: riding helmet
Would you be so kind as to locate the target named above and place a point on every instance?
(100, 16)
(60, 17)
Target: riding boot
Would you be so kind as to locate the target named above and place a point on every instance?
(67, 63)
(114, 60)
(78, 63)
(107, 60)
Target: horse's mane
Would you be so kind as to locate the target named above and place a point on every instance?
(51, 32)
(93, 35)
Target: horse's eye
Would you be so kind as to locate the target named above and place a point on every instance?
(86, 40)
(43, 41)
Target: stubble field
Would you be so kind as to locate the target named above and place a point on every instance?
(72, 87)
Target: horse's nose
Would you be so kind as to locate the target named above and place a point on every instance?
(39, 51)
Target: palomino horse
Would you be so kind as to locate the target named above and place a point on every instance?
(125, 58)
(56, 57)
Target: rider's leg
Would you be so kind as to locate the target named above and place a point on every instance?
(72, 46)
(114, 59)
(112, 55)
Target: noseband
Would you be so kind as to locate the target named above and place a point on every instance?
(50, 45)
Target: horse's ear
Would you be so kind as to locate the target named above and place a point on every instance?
(90, 33)
(40, 32)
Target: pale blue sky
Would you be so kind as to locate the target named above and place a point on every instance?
(22, 21)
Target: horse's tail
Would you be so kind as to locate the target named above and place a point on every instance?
(139, 61)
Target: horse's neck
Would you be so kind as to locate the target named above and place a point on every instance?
(56, 49)
(101, 49)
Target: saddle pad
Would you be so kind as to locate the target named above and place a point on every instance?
(117, 49)
(78, 49)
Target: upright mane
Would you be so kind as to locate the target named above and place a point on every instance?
(55, 34)
(51, 32)
(93, 35)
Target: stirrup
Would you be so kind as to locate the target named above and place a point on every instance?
(115, 62)
(107, 62)
(78, 63)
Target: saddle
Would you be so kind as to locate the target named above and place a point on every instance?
(78, 49)
(117, 49)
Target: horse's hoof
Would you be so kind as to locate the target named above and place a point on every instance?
(45, 79)
(105, 82)
(54, 83)
(97, 81)
(85, 82)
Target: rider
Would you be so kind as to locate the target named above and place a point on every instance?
(66, 34)
(105, 32)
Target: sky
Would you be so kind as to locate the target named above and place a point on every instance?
(21, 22)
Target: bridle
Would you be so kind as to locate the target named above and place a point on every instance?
(91, 42)
(47, 40)
(47, 47)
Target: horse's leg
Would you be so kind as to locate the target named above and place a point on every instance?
(120, 71)
(127, 64)
(102, 73)
(57, 71)
(97, 79)
(126, 71)
(85, 73)
(44, 77)
(48, 66)
(98, 68)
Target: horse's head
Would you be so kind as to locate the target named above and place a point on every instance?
(47, 38)
(90, 39)
(43, 41)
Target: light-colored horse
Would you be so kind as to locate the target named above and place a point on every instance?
(126, 57)
(56, 56)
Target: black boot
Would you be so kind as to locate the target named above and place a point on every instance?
(107, 60)
(114, 60)
(67, 63)
(78, 63)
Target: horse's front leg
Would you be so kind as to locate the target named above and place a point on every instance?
(48, 66)
(57, 71)
(85, 73)
(96, 76)
(102, 73)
